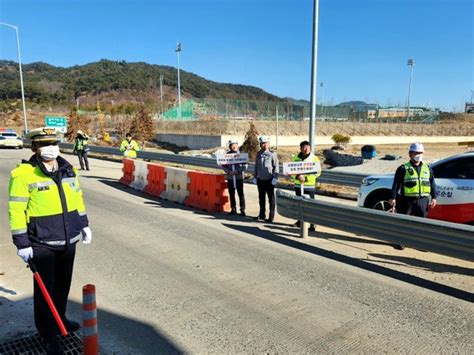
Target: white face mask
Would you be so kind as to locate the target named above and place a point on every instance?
(417, 158)
(48, 153)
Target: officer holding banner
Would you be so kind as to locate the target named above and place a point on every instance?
(305, 183)
(234, 174)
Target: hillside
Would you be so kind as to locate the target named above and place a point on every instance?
(49, 85)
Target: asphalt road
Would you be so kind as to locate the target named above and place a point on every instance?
(171, 280)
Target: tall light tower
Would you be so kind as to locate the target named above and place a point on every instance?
(178, 50)
(21, 72)
(314, 69)
(411, 64)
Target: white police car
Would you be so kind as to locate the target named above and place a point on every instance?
(9, 139)
(454, 177)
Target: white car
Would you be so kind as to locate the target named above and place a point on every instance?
(454, 177)
(9, 139)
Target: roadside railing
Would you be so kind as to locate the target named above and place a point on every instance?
(446, 238)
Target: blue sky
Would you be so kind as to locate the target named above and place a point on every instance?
(363, 44)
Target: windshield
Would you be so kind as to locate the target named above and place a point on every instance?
(8, 134)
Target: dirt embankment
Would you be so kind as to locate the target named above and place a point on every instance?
(461, 127)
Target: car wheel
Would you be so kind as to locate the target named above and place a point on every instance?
(379, 201)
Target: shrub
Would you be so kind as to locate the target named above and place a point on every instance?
(341, 139)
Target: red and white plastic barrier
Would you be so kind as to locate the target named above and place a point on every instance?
(200, 190)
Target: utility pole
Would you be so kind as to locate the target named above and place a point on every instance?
(178, 50)
(411, 63)
(314, 69)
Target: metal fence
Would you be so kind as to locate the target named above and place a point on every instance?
(222, 109)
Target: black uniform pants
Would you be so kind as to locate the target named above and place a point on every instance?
(413, 206)
(55, 268)
(265, 188)
(239, 186)
(83, 159)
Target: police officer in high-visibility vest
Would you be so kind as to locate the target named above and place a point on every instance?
(81, 147)
(413, 186)
(129, 147)
(308, 180)
(47, 219)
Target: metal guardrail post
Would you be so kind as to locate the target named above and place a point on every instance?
(304, 229)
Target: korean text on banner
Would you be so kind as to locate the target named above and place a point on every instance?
(227, 159)
(301, 167)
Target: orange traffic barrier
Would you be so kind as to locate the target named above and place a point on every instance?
(128, 172)
(89, 325)
(156, 180)
(208, 192)
(198, 190)
(218, 194)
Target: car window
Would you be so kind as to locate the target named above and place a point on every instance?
(8, 134)
(462, 168)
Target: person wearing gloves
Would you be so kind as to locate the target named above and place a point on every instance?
(266, 168)
(129, 147)
(237, 171)
(308, 180)
(47, 218)
(413, 186)
(81, 147)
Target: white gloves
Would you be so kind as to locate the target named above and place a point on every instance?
(274, 181)
(254, 181)
(25, 253)
(86, 235)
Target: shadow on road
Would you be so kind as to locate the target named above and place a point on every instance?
(398, 275)
(284, 240)
(329, 236)
(117, 334)
(427, 265)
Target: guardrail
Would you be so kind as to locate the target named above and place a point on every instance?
(451, 239)
(327, 176)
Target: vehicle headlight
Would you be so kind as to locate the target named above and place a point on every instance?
(369, 181)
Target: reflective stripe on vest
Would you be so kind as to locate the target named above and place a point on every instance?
(310, 179)
(414, 185)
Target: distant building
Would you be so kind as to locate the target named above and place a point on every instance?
(469, 108)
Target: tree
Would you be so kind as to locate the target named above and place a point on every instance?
(251, 145)
(142, 127)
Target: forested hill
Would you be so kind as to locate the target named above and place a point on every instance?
(45, 83)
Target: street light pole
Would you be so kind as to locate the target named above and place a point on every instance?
(411, 63)
(314, 68)
(21, 72)
(161, 92)
(178, 50)
(321, 84)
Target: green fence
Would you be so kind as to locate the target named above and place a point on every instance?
(221, 109)
(186, 112)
